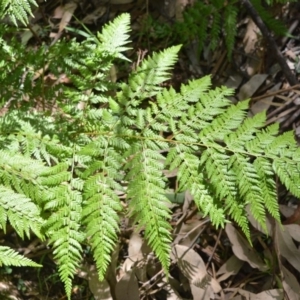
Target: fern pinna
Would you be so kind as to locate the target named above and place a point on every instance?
(65, 167)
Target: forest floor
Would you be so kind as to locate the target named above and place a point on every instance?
(227, 266)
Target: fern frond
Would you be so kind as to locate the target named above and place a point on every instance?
(145, 81)
(249, 188)
(9, 257)
(267, 186)
(115, 35)
(101, 204)
(273, 24)
(286, 172)
(17, 9)
(148, 201)
(230, 26)
(21, 212)
(245, 132)
(21, 174)
(215, 30)
(62, 227)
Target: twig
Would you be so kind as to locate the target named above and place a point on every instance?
(290, 77)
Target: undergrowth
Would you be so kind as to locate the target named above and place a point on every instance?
(68, 150)
(209, 22)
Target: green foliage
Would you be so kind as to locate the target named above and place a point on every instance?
(207, 22)
(69, 150)
(8, 257)
(17, 10)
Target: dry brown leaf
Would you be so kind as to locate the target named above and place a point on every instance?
(134, 251)
(294, 231)
(250, 37)
(251, 86)
(230, 267)
(265, 103)
(287, 246)
(265, 295)
(290, 284)
(251, 41)
(234, 81)
(99, 289)
(179, 8)
(69, 9)
(127, 287)
(242, 249)
(58, 12)
(65, 13)
(111, 273)
(286, 210)
(192, 267)
(189, 233)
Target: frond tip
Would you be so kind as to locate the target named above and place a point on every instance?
(9, 257)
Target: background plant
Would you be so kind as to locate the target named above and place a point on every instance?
(209, 22)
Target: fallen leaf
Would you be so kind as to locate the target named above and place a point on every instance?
(127, 287)
(294, 231)
(265, 103)
(290, 284)
(230, 267)
(189, 233)
(65, 13)
(242, 249)
(192, 267)
(134, 251)
(287, 247)
(99, 289)
(251, 86)
(266, 295)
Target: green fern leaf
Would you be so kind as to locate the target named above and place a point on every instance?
(145, 81)
(17, 9)
(148, 201)
(230, 23)
(101, 205)
(21, 212)
(115, 35)
(9, 257)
